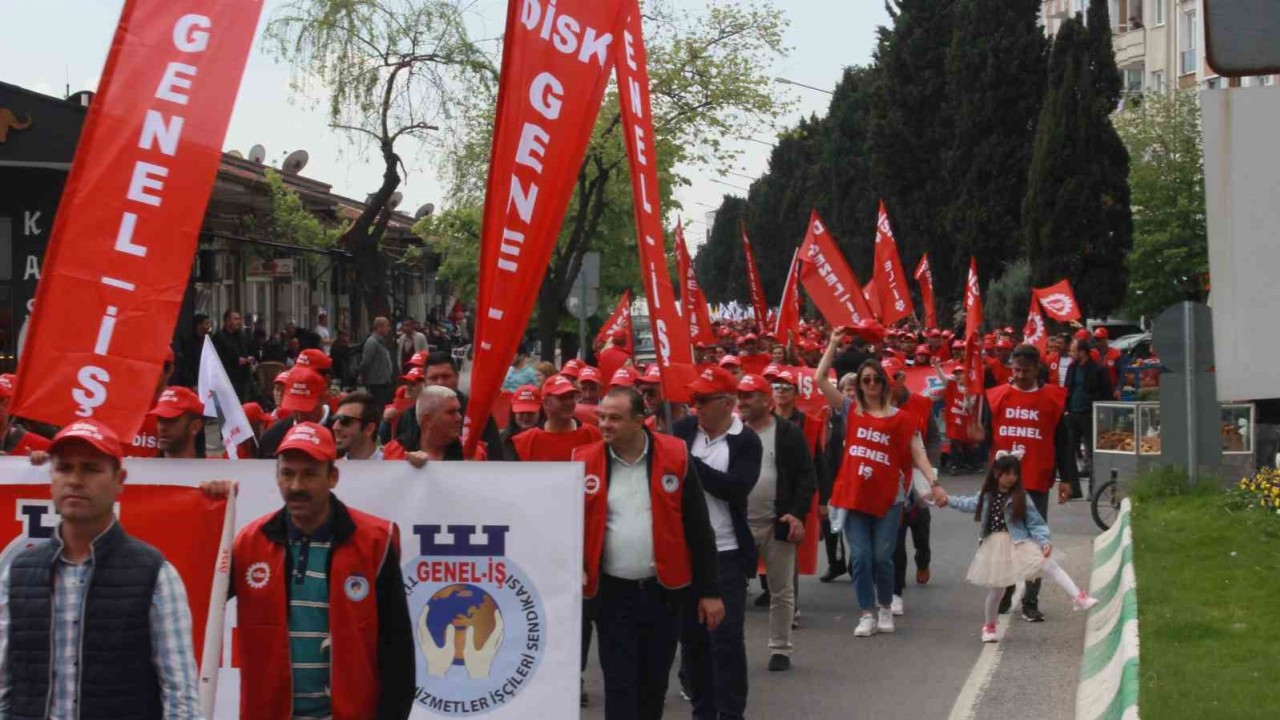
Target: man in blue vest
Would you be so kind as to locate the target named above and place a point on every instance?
(93, 624)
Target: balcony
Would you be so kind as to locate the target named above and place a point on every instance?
(1130, 47)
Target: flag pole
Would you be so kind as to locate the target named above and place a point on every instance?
(211, 658)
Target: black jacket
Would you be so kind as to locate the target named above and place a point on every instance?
(395, 633)
(1097, 382)
(734, 485)
(833, 454)
(797, 476)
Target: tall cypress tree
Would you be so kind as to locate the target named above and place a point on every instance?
(721, 272)
(854, 201)
(995, 80)
(1076, 216)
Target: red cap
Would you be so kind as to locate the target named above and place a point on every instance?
(730, 360)
(752, 383)
(724, 332)
(951, 366)
(558, 385)
(948, 333)
(571, 368)
(8, 383)
(304, 390)
(957, 344)
(749, 337)
(419, 358)
(1007, 330)
(932, 332)
(1102, 334)
(988, 343)
(311, 438)
(1082, 334)
(619, 337)
(714, 380)
(526, 399)
(652, 375)
(414, 374)
(625, 377)
(892, 366)
(589, 374)
(1004, 343)
(177, 401)
(314, 359)
(924, 350)
(785, 376)
(253, 412)
(99, 436)
(282, 379)
(771, 371)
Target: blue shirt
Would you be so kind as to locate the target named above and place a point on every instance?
(309, 641)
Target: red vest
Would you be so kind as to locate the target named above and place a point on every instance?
(539, 445)
(876, 464)
(1052, 362)
(957, 412)
(1111, 360)
(1028, 420)
(669, 458)
(258, 571)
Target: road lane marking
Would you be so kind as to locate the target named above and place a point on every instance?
(984, 669)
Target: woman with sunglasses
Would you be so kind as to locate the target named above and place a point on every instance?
(881, 445)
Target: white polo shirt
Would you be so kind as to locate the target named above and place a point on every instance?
(715, 453)
(628, 536)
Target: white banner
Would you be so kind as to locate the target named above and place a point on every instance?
(496, 548)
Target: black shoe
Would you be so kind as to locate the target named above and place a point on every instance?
(583, 699)
(779, 662)
(764, 599)
(1031, 613)
(1007, 601)
(832, 573)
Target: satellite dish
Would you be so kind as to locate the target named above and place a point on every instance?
(295, 162)
(394, 201)
(257, 154)
(236, 154)
(424, 211)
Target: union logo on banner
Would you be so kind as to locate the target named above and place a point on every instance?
(1058, 304)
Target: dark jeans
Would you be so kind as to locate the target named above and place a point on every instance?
(639, 623)
(714, 664)
(1080, 431)
(382, 395)
(918, 519)
(1041, 502)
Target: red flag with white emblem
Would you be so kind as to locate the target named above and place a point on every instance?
(1058, 301)
(890, 280)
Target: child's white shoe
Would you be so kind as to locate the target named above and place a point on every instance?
(885, 623)
(1084, 601)
(896, 605)
(866, 627)
(989, 633)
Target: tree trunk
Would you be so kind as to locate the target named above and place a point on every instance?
(548, 325)
(370, 289)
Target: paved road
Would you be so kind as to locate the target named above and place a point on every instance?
(920, 671)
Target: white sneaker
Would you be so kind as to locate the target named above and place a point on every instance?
(1084, 601)
(989, 633)
(866, 626)
(896, 605)
(885, 623)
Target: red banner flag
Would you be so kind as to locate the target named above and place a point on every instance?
(974, 366)
(924, 276)
(670, 332)
(827, 278)
(788, 327)
(891, 285)
(619, 321)
(549, 94)
(759, 304)
(873, 300)
(1034, 332)
(120, 252)
(691, 299)
(1058, 301)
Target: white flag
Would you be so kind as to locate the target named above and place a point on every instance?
(218, 395)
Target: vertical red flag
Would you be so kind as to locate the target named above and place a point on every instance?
(759, 305)
(670, 331)
(1058, 301)
(891, 281)
(126, 230)
(788, 327)
(691, 299)
(974, 366)
(549, 94)
(620, 320)
(924, 276)
(873, 300)
(1034, 332)
(827, 277)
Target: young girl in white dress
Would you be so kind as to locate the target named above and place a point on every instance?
(1014, 545)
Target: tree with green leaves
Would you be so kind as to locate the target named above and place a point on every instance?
(721, 269)
(995, 82)
(1008, 296)
(1170, 257)
(1076, 216)
(389, 71)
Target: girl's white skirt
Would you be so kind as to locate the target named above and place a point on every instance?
(1001, 562)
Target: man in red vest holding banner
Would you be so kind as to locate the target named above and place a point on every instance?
(321, 607)
(648, 550)
(1029, 416)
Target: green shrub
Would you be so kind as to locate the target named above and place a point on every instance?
(1172, 481)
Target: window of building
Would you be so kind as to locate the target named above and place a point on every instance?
(1265, 80)
(1188, 34)
(1157, 14)
(1157, 81)
(1132, 80)
(1213, 83)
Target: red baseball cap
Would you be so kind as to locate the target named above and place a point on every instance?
(589, 374)
(304, 390)
(785, 376)
(94, 433)
(1102, 334)
(924, 350)
(419, 358)
(414, 374)
(253, 412)
(957, 344)
(311, 438)
(1082, 334)
(526, 399)
(749, 337)
(714, 380)
(1004, 343)
(558, 385)
(177, 401)
(619, 336)
(951, 366)
(652, 375)
(988, 343)
(314, 359)
(771, 370)
(571, 368)
(932, 332)
(625, 377)
(8, 384)
(281, 379)
(892, 366)
(752, 383)
(724, 332)
(728, 360)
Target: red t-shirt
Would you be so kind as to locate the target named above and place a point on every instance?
(921, 409)
(876, 464)
(539, 445)
(587, 414)
(754, 363)
(999, 371)
(957, 412)
(1028, 420)
(146, 444)
(610, 359)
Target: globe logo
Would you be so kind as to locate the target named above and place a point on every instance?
(470, 611)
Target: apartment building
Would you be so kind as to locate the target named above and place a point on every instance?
(1159, 44)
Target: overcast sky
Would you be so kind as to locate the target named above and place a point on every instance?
(48, 45)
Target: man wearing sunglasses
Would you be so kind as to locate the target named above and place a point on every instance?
(355, 427)
(726, 455)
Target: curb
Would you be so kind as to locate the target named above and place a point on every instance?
(1108, 687)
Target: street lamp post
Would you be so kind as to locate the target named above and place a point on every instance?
(785, 81)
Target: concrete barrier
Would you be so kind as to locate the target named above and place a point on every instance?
(1108, 687)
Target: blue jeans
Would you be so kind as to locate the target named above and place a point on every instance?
(714, 664)
(872, 541)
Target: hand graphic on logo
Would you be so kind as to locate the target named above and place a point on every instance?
(480, 659)
(439, 659)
